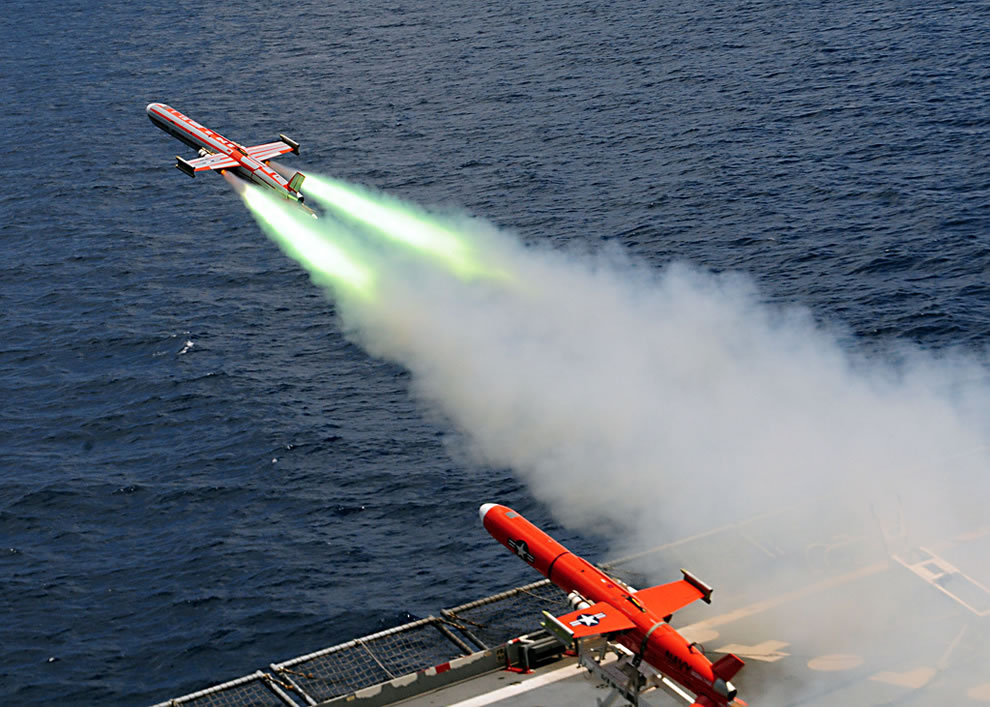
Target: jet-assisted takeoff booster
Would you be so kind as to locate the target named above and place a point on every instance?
(218, 153)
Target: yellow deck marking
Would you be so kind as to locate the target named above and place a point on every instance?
(980, 693)
(768, 651)
(973, 535)
(915, 679)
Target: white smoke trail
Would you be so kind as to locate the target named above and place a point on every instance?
(647, 406)
(650, 405)
(671, 400)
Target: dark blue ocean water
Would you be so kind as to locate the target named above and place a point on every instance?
(199, 475)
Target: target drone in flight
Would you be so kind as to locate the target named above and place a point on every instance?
(218, 153)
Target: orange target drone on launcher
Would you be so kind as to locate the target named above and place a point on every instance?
(609, 611)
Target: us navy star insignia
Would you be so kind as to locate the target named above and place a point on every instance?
(588, 619)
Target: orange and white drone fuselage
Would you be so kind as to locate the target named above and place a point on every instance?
(608, 607)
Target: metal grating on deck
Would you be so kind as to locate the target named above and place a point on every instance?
(363, 662)
(373, 659)
(256, 690)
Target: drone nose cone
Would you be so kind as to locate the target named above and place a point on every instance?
(483, 511)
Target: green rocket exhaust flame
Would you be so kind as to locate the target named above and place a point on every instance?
(327, 258)
(340, 253)
(398, 223)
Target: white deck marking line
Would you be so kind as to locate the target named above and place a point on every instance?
(509, 691)
(769, 553)
(835, 662)
(943, 662)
